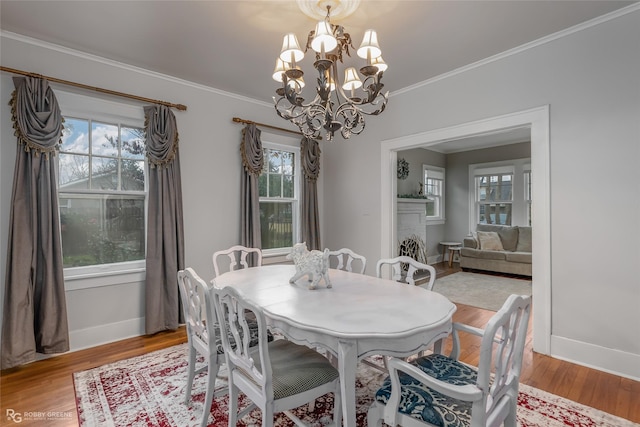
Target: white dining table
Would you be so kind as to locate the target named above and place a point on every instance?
(358, 316)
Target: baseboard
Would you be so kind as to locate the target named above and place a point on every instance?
(604, 359)
(104, 334)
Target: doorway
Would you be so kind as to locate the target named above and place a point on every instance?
(537, 120)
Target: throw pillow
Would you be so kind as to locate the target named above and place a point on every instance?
(490, 241)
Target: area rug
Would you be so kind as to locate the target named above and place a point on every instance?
(480, 290)
(148, 391)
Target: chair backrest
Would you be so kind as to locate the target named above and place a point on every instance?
(404, 269)
(239, 257)
(345, 258)
(251, 369)
(501, 353)
(198, 310)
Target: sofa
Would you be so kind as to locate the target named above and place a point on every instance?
(498, 248)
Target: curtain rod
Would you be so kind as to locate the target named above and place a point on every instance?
(96, 89)
(249, 122)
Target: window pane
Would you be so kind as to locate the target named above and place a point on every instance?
(274, 161)
(276, 221)
(262, 185)
(75, 136)
(275, 185)
(73, 171)
(495, 214)
(132, 175)
(101, 229)
(104, 139)
(287, 163)
(104, 173)
(132, 143)
(287, 187)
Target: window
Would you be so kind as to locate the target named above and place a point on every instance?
(101, 188)
(494, 198)
(527, 192)
(278, 189)
(434, 190)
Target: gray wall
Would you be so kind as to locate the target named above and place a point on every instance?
(590, 79)
(457, 226)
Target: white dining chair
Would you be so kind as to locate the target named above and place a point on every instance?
(343, 259)
(279, 375)
(203, 335)
(403, 269)
(431, 389)
(236, 257)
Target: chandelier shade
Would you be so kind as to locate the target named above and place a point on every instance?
(336, 106)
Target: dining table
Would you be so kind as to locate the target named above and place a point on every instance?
(358, 316)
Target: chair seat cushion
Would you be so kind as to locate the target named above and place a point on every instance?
(427, 405)
(297, 368)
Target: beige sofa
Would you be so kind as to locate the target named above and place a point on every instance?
(499, 248)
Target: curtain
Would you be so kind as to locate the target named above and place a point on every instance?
(252, 162)
(310, 158)
(35, 313)
(165, 232)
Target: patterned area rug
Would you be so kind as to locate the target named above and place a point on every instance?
(148, 391)
(480, 290)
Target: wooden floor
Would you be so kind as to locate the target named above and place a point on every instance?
(47, 386)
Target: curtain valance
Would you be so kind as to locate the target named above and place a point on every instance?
(161, 135)
(251, 150)
(37, 119)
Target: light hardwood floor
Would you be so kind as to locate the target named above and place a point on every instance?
(47, 385)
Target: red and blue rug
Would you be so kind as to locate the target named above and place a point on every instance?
(148, 391)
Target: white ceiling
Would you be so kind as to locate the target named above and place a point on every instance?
(232, 45)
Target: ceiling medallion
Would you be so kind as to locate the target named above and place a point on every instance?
(336, 105)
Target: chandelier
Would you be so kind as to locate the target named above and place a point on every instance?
(336, 106)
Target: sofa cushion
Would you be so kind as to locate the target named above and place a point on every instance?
(523, 257)
(490, 241)
(478, 253)
(524, 239)
(508, 234)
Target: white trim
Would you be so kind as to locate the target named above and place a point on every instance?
(531, 45)
(104, 334)
(601, 358)
(97, 276)
(537, 119)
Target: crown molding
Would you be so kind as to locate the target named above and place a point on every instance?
(539, 42)
(123, 66)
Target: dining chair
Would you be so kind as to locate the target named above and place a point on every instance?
(276, 376)
(404, 269)
(344, 258)
(238, 257)
(203, 335)
(437, 390)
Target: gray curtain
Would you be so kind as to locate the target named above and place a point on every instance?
(252, 162)
(165, 232)
(310, 158)
(35, 313)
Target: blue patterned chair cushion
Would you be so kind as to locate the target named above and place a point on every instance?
(253, 330)
(421, 402)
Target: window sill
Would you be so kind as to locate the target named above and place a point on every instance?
(438, 221)
(77, 278)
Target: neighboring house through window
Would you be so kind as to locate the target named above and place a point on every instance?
(434, 190)
(102, 186)
(500, 193)
(279, 189)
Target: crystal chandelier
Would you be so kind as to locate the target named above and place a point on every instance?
(335, 107)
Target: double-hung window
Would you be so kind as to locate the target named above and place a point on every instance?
(527, 192)
(434, 190)
(494, 196)
(101, 184)
(279, 190)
